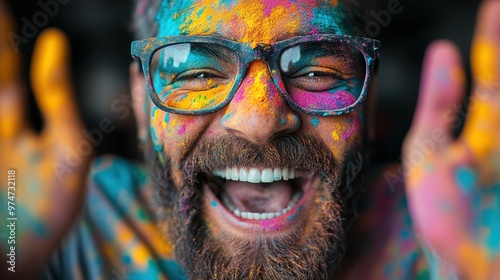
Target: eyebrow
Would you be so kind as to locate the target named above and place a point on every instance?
(286, 35)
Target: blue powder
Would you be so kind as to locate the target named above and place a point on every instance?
(315, 122)
(466, 179)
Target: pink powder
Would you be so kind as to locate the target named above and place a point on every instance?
(323, 100)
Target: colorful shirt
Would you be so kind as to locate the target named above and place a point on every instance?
(115, 237)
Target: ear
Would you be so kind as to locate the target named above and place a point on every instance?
(139, 101)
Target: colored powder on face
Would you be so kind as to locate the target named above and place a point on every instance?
(195, 100)
(296, 120)
(268, 225)
(213, 203)
(183, 129)
(166, 118)
(339, 22)
(185, 123)
(315, 122)
(352, 128)
(252, 21)
(153, 134)
(226, 117)
(257, 90)
(153, 112)
(466, 179)
(291, 217)
(156, 143)
(335, 136)
(322, 100)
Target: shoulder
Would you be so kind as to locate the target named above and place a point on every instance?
(116, 236)
(109, 171)
(382, 242)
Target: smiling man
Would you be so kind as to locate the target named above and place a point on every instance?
(255, 135)
(252, 120)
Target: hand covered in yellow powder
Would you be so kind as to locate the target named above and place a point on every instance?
(453, 185)
(41, 186)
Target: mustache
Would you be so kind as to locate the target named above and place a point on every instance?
(290, 151)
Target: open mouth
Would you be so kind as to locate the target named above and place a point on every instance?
(258, 199)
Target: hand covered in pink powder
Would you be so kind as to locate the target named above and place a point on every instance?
(453, 185)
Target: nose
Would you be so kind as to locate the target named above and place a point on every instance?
(258, 111)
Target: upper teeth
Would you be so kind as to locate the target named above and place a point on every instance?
(254, 175)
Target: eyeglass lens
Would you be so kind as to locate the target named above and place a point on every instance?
(316, 76)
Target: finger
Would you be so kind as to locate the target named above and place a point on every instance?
(441, 91)
(50, 79)
(11, 94)
(139, 97)
(10, 58)
(481, 131)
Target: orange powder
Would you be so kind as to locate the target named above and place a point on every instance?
(246, 17)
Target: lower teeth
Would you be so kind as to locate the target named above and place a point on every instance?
(261, 216)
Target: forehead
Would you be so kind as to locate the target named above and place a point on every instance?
(252, 20)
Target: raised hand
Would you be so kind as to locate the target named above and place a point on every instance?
(453, 185)
(45, 189)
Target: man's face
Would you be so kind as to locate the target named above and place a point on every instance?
(233, 229)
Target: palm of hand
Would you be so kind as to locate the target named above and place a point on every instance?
(50, 168)
(453, 186)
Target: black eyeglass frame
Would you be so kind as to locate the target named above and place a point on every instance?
(145, 49)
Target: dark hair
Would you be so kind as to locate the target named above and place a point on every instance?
(144, 23)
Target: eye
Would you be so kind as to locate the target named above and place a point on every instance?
(198, 74)
(319, 74)
(197, 80)
(315, 79)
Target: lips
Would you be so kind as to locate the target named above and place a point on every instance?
(246, 198)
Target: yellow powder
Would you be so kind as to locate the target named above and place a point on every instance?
(246, 17)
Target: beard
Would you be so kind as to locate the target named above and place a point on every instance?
(312, 250)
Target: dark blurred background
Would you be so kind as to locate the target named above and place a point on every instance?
(100, 36)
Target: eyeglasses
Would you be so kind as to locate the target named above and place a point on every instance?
(320, 75)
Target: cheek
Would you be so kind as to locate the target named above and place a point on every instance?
(174, 135)
(338, 133)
